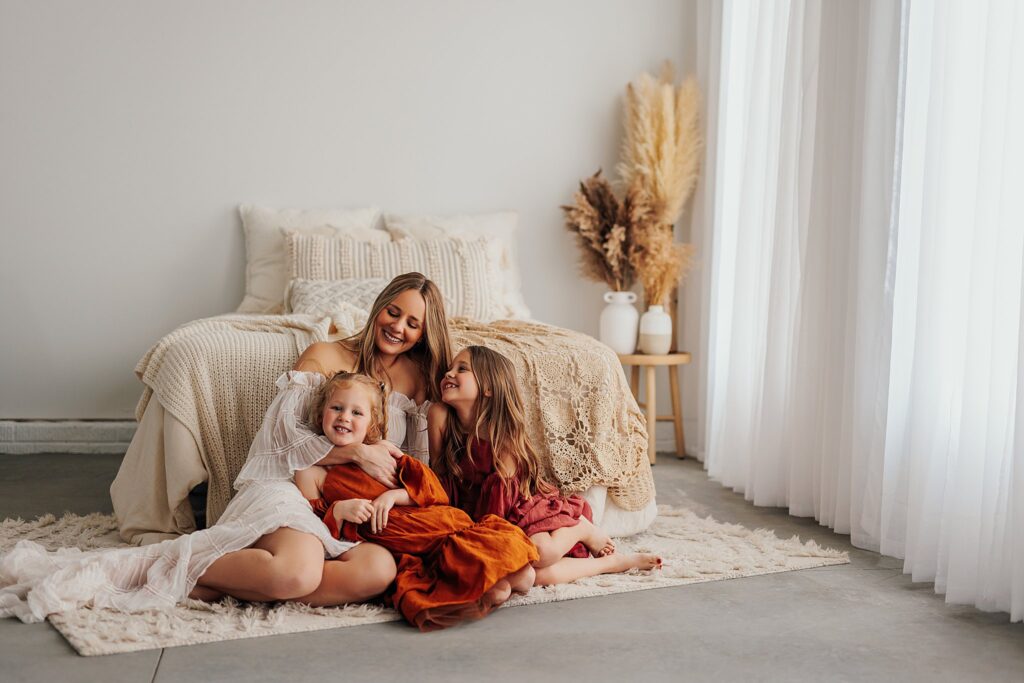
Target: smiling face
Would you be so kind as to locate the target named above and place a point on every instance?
(399, 325)
(459, 384)
(346, 415)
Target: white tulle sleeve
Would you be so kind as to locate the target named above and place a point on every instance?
(285, 443)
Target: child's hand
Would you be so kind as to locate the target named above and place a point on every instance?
(356, 510)
(381, 506)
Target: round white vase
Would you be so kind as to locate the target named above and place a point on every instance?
(619, 322)
(655, 331)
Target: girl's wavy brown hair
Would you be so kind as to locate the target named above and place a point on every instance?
(375, 390)
(432, 354)
(500, 420)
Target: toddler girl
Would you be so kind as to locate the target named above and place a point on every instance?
(449, 568)
(479, 448)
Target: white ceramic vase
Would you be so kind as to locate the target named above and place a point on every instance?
(619, 322)
(655, 331)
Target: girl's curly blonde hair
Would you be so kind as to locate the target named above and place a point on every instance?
(378, 428)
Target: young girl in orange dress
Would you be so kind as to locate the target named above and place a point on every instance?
(450, 568)
(479, 449)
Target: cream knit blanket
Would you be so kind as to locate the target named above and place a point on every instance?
(216, 376)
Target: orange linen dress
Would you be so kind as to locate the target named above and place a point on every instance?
(446, 561)
(482, 492)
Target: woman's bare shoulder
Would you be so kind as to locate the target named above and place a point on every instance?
(326, 358)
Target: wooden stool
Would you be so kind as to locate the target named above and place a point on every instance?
(672, 361)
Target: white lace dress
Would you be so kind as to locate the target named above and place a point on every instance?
(35, 583)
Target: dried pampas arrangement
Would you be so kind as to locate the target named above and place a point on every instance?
(661, 156)
(633, 238)
(603, 226)
(659, 261)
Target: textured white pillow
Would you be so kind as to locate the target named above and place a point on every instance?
(466, 271)
(266, 268)
(323, 297)
(500, 226)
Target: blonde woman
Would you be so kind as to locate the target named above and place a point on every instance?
(405, 345)
(268, 544)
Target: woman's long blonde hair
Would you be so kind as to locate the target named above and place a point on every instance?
(432, 354)
(500, 420)
(378, 428)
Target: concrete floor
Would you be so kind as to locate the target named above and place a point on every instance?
(862, 621)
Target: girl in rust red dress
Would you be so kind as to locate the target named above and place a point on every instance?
(450, 568)
(479, 449)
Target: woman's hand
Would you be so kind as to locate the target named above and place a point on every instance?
(382, 504)
(356, 510)
(380, 461)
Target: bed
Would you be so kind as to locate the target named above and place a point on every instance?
(208, 383)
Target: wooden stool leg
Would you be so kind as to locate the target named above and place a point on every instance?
(652, 415)
(677, 410)
(634, 381)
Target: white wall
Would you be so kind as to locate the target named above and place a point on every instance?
(129, 132)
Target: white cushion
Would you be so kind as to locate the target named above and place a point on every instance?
(324, 297)
(500, 226)
(266, 269)
(466, 271)
(616, 521)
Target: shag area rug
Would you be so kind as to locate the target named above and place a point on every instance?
(694, 550)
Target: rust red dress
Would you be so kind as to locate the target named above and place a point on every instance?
(446, 561)
(481, 492)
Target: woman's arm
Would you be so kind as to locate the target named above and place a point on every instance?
(379, 460)
(311, 481)
(285, 444)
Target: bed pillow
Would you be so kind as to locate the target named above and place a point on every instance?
(468, 272)
(323, 297)
(266, 268)
(500, 226)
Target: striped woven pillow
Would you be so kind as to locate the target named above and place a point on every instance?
(467, 271)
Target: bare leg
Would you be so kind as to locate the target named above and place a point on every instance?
(497, 595)
(283, 565)
(552, 546)
(206, 594)
(522, 581)
(571, 568)
(358, 575)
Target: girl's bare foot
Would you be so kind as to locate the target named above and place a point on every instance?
(206, 594)
(637, 561)
(522, 581)
(497, 595)
(599, 543)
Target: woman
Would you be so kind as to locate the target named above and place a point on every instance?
(405, 345)
(268, 544)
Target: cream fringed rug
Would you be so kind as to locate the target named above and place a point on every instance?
(694, 550)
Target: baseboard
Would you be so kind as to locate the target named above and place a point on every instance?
(65, 436)
(113, 436)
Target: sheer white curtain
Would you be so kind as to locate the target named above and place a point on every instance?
(861, 230)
